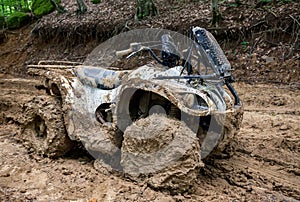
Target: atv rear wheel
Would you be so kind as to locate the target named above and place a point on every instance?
(44, 130)
(163, 150)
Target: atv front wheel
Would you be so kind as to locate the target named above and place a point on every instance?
(44, 130)
(163, 150)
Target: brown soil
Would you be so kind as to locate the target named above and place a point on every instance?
(266, 166)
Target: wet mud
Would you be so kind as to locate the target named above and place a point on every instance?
(264, 167)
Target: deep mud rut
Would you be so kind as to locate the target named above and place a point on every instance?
(266, 166)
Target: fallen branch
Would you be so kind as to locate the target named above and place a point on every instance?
(295, 20)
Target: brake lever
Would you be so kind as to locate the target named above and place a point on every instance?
(131, 55)
(135, 52)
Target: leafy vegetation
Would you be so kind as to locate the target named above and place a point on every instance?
(17, 19)
(7, 7)
(42, 7)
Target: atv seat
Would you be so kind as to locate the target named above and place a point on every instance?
(99, 77)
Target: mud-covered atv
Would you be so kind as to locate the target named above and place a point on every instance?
(139, 109)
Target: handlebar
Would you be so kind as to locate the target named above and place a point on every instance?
(123, 52)
(133, 48)
(170, 56)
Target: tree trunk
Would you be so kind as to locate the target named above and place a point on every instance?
(81, 7)
(10, 10)
(238, 2)
(3, 9)
(145, 8)
(216, 16)
(20, 5)
(58, 7)
(26, 4)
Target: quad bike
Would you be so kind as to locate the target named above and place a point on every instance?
(135, 117)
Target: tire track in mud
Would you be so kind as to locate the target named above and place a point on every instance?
(15, 92)
(268, 151)
(245, 178)
(261, 175)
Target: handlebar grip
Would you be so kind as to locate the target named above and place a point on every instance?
(124, 52)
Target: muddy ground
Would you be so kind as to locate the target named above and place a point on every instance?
(263, 47)
(266, 166)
